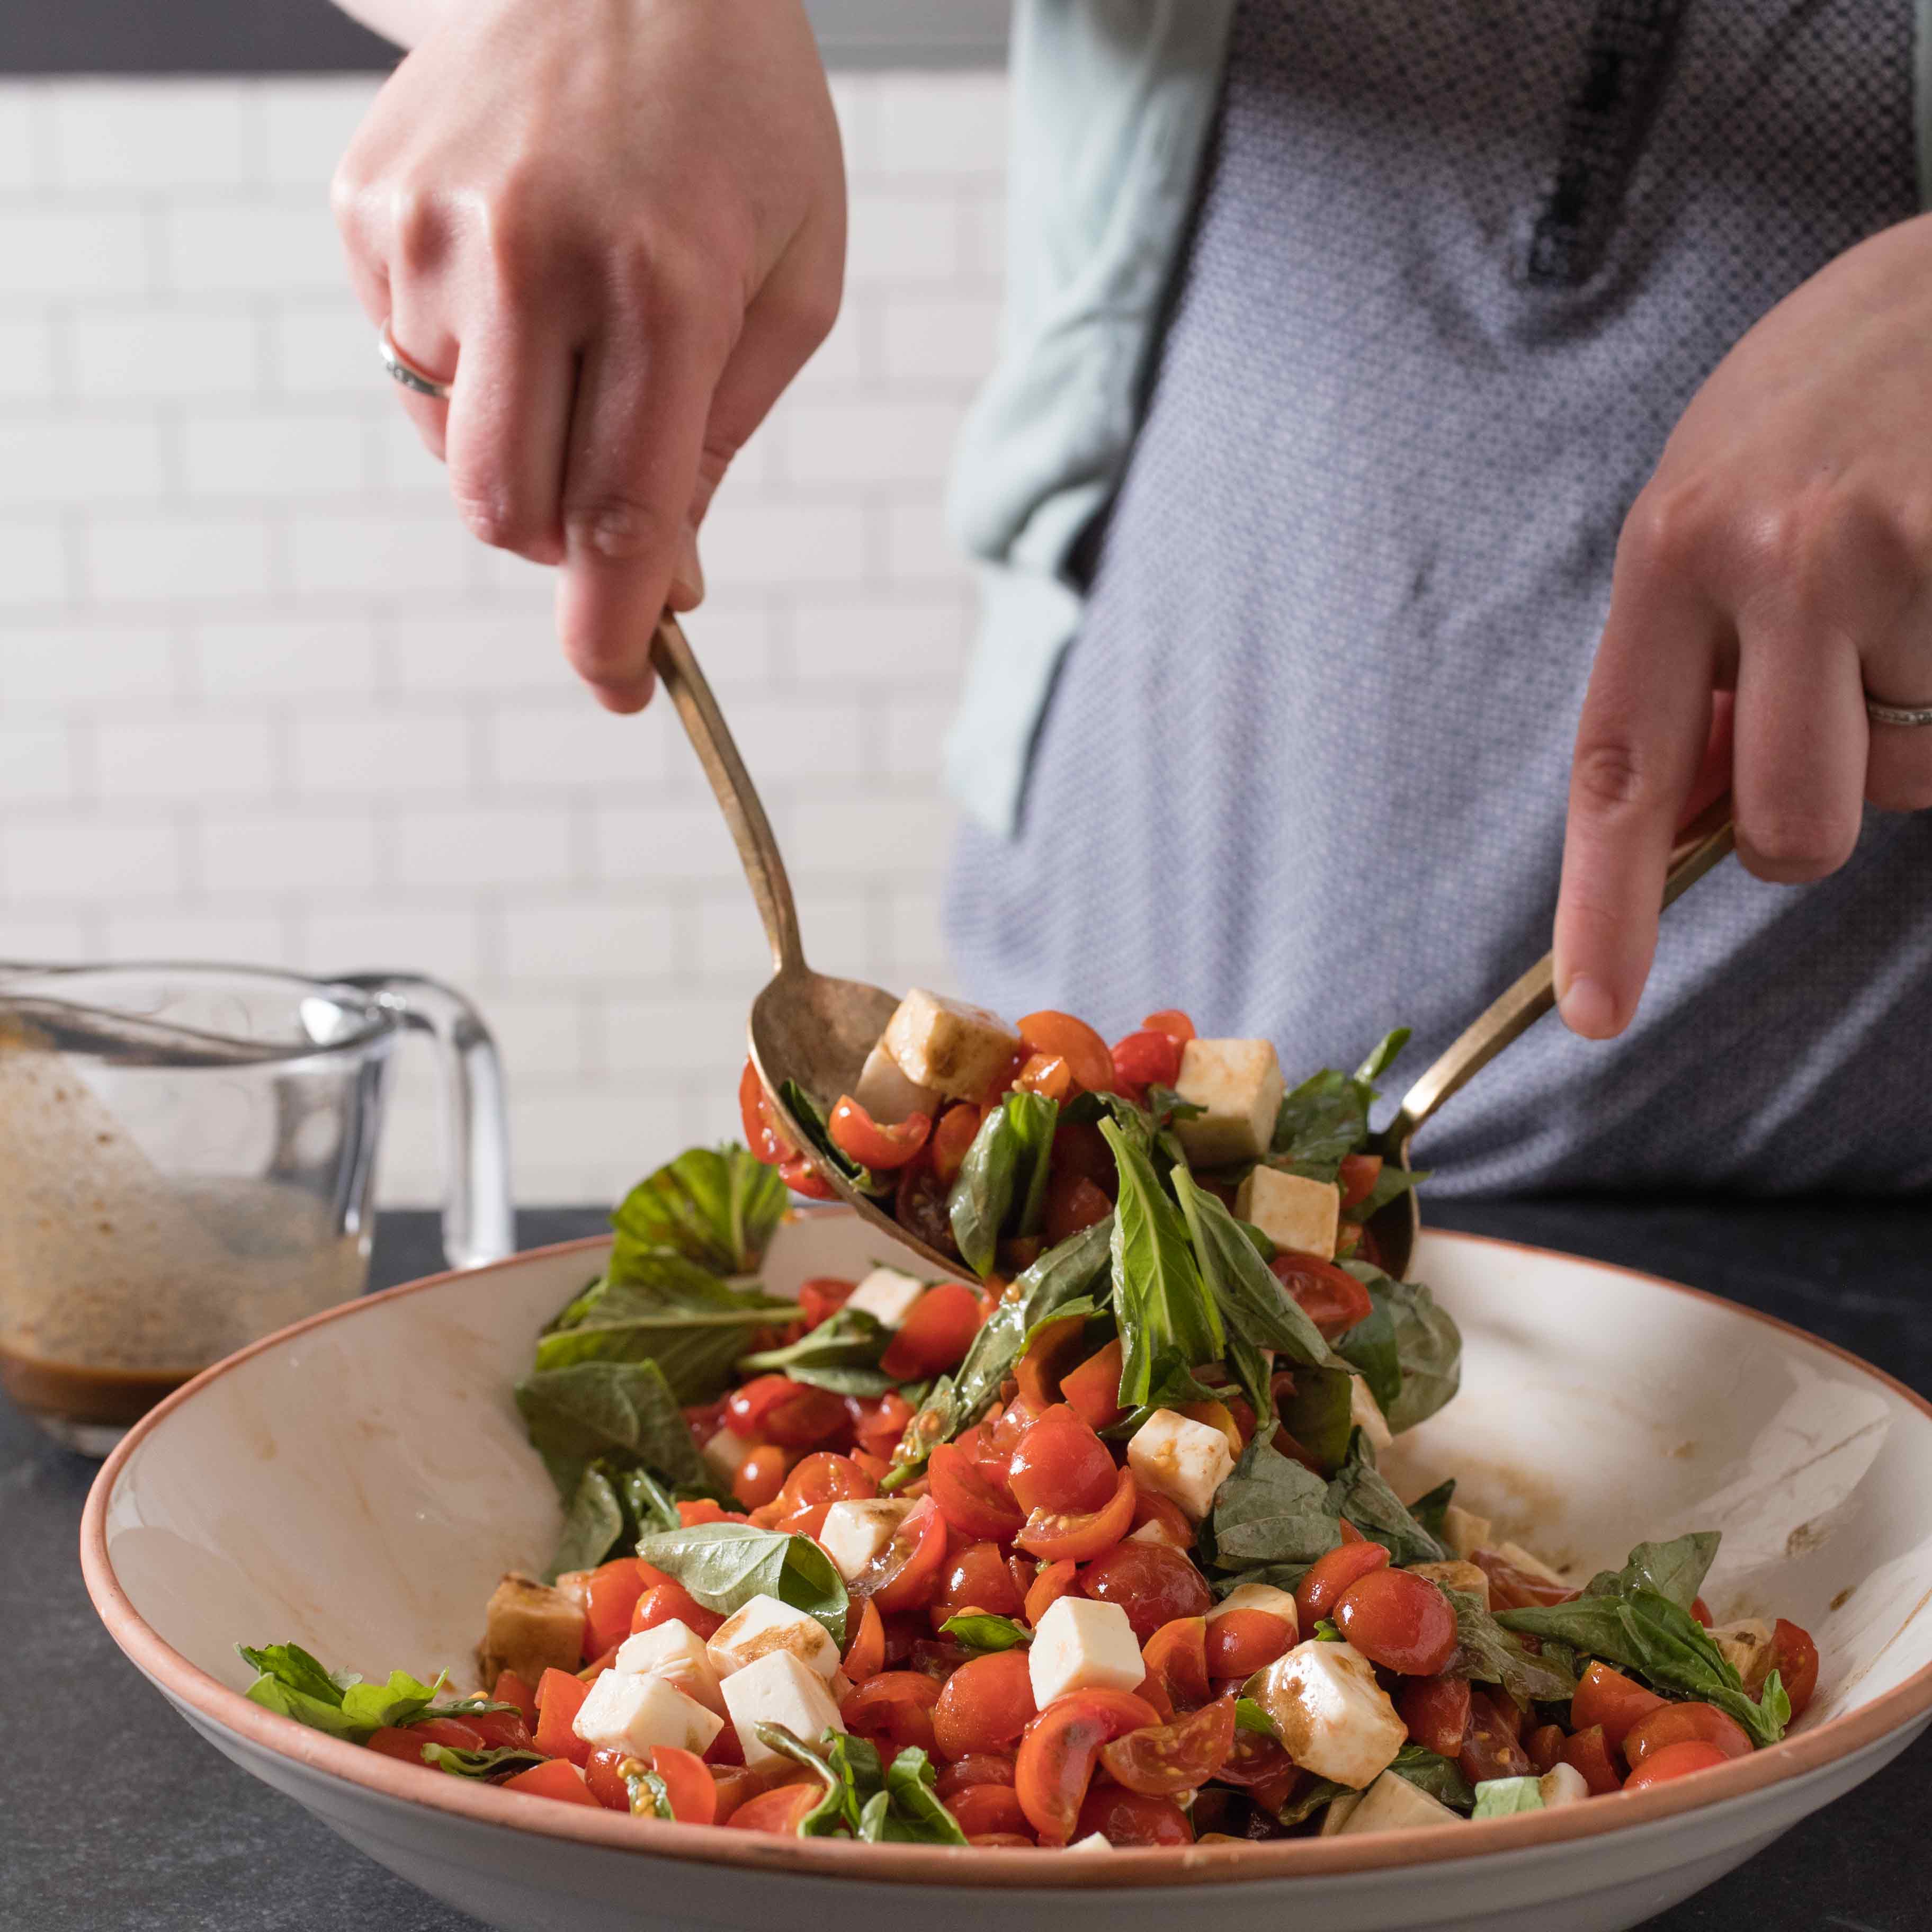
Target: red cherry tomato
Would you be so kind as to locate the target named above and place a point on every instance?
(1056, 1347)
(985, 1705)
(1436, 1710)
(1172, 1021)
(761, 1132)
(822, 1297)
(825, 1477)
(1074, 1041)
(1490, 1746)
(1684, 1723)
(613, 1593)
(1587, 1753)
(1674, 1761)
(1543, 1747)
(672, 1602)
(1055, 1580)
(1360, 1173)
(1172, 1758)
(1399, 1621)
(1331, 1297)
(976, 1768)
(937, 1330)
(1153, 1583)
(560, 1695)
(780, 1812)
(1061, 1465)
(952, 1134)
(1795, 1657)
(1056, 1758)
(1701, 1611)
(1608, 1699)
(1172, 1527)
(556, 1779)
(1093, 1389)
(968, 1499)
(1175, 1658)
(873, 1144)
(1081, 1535)
(919, 1205)
(865, 1649)
(688, 1783)
(760, 1475)
(1331, 1576)
(906, 1573)
(977, 1578)
(1074, 1204)
(511, 1689)
(801, 1178)
(896, 1706)
(1046, 1073)
(405, 1743)
(606, 1781)
(746, 1407)
(981, 1809)
(1511, 1588)
(1127, 1818)
(1240, 1642)
(1143, 1058)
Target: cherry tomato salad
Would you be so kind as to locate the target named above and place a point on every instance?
(1091, 1552)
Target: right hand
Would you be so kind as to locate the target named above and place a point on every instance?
(618, 227)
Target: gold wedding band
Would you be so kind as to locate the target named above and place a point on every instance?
(1882, 713)
(412, 377)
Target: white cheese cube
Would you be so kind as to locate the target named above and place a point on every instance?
(1094, 1841)
(625, 1712)
(886, 1294)
(1469, 1578)
(1082, 1645)
(1260, 1597)
(1365, 1413)
(1332, 1716)
(887, 1095)
(779, 1690)
(724, 1451)
(855, 1531)
(1392, 1804)
(1154, 1531)
(1239, 1082)
(1292, 1210)
(1562, 1784)
(765, 1625)
(674, 1652)
(1464, 1531)
(955, 1049)
(1184, 1460)
(1338, 1811)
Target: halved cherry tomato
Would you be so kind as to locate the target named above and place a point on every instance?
(702, 1509)
(984, 1808)
(555, 1779)
(1399, 1621)
(726, 1751)
(984, 1705)
(759, 1476)
(1049, 1031)
(872, 1143)
(1126, 1818)
(1587, 1753)
(1001, 1432)
(1155, 1585)
(1258, 1765)
(1046, 1073)
(906, 1573)
(1332, 1575)
(1172, 1526)
(1674, 1761)
(780, 1812)
(500, 1729)
(896, 1706)
(937, 1330)
(1608, 1699)
(1073, 1203)
(1081, 1535)
(878, 1421)
(976, 1768)
(1701, 1611)
(560, 1696)
(1543, 1747)
(1142, 1058)
(1056, 1758)
(1331, 1297)
(405, 1742)
(1055, 1580)
(1684, 1723)
(1060, 1464)
(672, 1602)
(822, 1297)
(968, 1500)
(1093, 1389)
(1350, 1534)
(511, 1689)
(1436, 1710)
(952, 1134)
(1795, 1657)
(1360, 1173)
(1170, 1759)
(1240, 1642)
(1056, 1347)
(826, 1477)
(1489, 1747)
(977, 1578)
(1511, 1588)
(1172, 1021)
(601, 1772)
(761, 1131)
(865, 1652)
(1176, 1658)
(801, 1178)
(688, 1783)
(746, 1407)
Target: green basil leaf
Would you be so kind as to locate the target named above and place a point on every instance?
(1326, 1116)
(908, 1810)
(809, 1118)
(1323, 1792)
(1248, 1716)
(1370, 1347)
(588, 1409)
(1441, 1777)
(842, 1354)
(295, 1684)
(1271, 1510)
(1001, 1187)
(725, 1564)
(593, 1525)
(715, 1206)
(1383, 1054)
(1675, 1569)
(1360, 1493)
(1319, 1413)
(492, 1763)
(1432, 1508)
(983, 1634)
(401, 1700)
(291, 1666)
(1391, 1184)
(1488, 1654)
(1427, 1345)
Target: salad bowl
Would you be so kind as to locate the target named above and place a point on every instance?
(357, 1483)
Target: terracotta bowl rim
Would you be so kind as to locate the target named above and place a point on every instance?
(994, 1869)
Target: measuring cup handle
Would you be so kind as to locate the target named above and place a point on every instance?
(478, 1214)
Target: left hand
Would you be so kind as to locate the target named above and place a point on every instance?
(1782, 549)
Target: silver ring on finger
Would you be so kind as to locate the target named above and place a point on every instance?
(413, 376)
(1883, 713)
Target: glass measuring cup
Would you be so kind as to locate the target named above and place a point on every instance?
(188, 1153)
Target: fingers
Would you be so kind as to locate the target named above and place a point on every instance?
(1898, 769)
(1641, 740)
(508, 425)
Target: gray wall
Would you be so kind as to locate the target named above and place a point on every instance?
(52, 37)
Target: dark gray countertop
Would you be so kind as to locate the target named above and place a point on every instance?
(116, 1818)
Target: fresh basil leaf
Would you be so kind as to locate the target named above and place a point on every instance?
(593, 1525)
(1248, 1716)
(1427, 1347)
(1253, 1371)
(1168, 1320)
(295, 1684)
(983, 1634)
(1326, 1116)
(1323, 1792)
(908, 1810)
(810, 1120)
(725, 1564)
(492, 1763)
(1675, 1569)
(1033, 1117)
(1271, 1510)
(842, 1354)
(1001, 1187)
(1488, 1654)
(1277, 1576)
(401, 1701)
(1318, 1412)
(1391, 1184)
(1370, 1347)
(715, 1206)
(588, 1409)
(1360, 1493)
(1383, 1054)
(647, 1504)
(295, 1670)
(1431, 1509)
(1167, 1106)
(1325, 1631)
(1504, 1797)
(578, 1307)
(1441, 1777)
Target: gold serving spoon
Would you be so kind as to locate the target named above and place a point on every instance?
(806, 1026)
(1703, 842)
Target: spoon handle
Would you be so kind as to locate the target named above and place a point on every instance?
(737, 797)
(1703, 842)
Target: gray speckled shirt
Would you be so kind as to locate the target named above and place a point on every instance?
(1455, 272)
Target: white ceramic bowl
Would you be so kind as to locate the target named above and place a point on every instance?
(358, 1483)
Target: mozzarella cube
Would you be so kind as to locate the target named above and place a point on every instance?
(886, 1294)
(955, 1049)
(1337, 1813)
(724, 1451)
(1365, 1413)
(1082, 1645)
(779, 1690)
(1184, 1460)
(1094, 1841)
(625, 1712)
(674, 1652)
(1562, 1784)
(1239, 1083)
(856, 1531)
(1155, 1531)
(1293, 1211)
(1749, 1645)
(1260, 1597)
(1392, 1804)
(765, 1625)
(887, 1095)
(1469, 1578)
(1332, 1716)
(1464, 1531)
(1532, 1565)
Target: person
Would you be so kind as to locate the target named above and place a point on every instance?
(1429, 445)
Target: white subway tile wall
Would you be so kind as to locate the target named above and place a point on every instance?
(261, 699)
